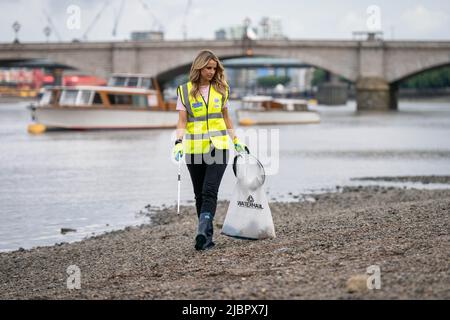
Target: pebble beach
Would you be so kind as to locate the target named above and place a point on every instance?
(323, 248)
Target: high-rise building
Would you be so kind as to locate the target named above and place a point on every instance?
(269, 28)
(147, 36)
(221, 34)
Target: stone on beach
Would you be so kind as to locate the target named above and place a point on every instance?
(357, 283)
(67, 230)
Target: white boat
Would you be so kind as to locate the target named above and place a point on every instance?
(103, 107)
(267, 110)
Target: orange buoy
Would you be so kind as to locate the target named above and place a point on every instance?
(246, 122)
(36, 128)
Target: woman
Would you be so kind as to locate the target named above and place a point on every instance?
(203, 116)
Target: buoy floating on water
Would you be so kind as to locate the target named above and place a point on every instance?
(246, 122)
(312, 102)
(36, 128)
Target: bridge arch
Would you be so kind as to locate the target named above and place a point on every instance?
(340, 62)
(94, 61)
(403, 64)
(184, 68)
(420, 71)
(167, 75)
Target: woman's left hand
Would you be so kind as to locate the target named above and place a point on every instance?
(240, 146)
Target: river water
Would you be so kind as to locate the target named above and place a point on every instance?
(97, 181)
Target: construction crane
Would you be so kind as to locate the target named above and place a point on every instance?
(96, 18)
(186, 13)
(50, 22)
(118, 15)
(156, 22)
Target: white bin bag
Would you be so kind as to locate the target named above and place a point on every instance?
(248, 214)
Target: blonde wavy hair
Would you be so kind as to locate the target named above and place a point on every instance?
(219, 81)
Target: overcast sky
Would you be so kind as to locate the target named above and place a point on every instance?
(305, 19)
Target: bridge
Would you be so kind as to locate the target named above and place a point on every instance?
(375, 66)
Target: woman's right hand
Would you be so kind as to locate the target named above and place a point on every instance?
(178, 151)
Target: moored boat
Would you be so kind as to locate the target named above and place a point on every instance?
(138, 105)
(266, 110)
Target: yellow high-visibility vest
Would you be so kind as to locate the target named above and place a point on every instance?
(205, 123)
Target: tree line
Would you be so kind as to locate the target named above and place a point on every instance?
(432, 79)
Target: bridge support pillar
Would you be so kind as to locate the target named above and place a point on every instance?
(394, 96)
(332, 92)
(375, 94)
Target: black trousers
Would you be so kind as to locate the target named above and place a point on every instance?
(206, 172)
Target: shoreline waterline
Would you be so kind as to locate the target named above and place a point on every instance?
(147, 213)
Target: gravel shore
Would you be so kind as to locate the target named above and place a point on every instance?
(323, 248)
(420, 179)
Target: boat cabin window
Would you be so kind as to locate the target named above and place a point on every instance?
(76, 97)
(85, 97)
(132, 82)
(119, 99)
(117, 81)
(97, 99)
(140, 101)
(129, 100)
(147, 83)
(68, 97)
(46, 98)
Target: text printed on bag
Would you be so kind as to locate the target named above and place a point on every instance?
(250, 203)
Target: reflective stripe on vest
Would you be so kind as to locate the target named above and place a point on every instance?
(186, 101)
(203, 118)
(206, 135)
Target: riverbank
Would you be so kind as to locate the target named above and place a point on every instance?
(322, 244)
(4, 100)
(419, 179)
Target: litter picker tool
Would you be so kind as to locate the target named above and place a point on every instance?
(179, 185)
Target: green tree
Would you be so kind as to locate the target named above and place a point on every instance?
(319, 77)
(438, 78)
(272, 81)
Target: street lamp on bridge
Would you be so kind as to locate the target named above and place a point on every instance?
(248, 36)
(16, 27)
(367, 35)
